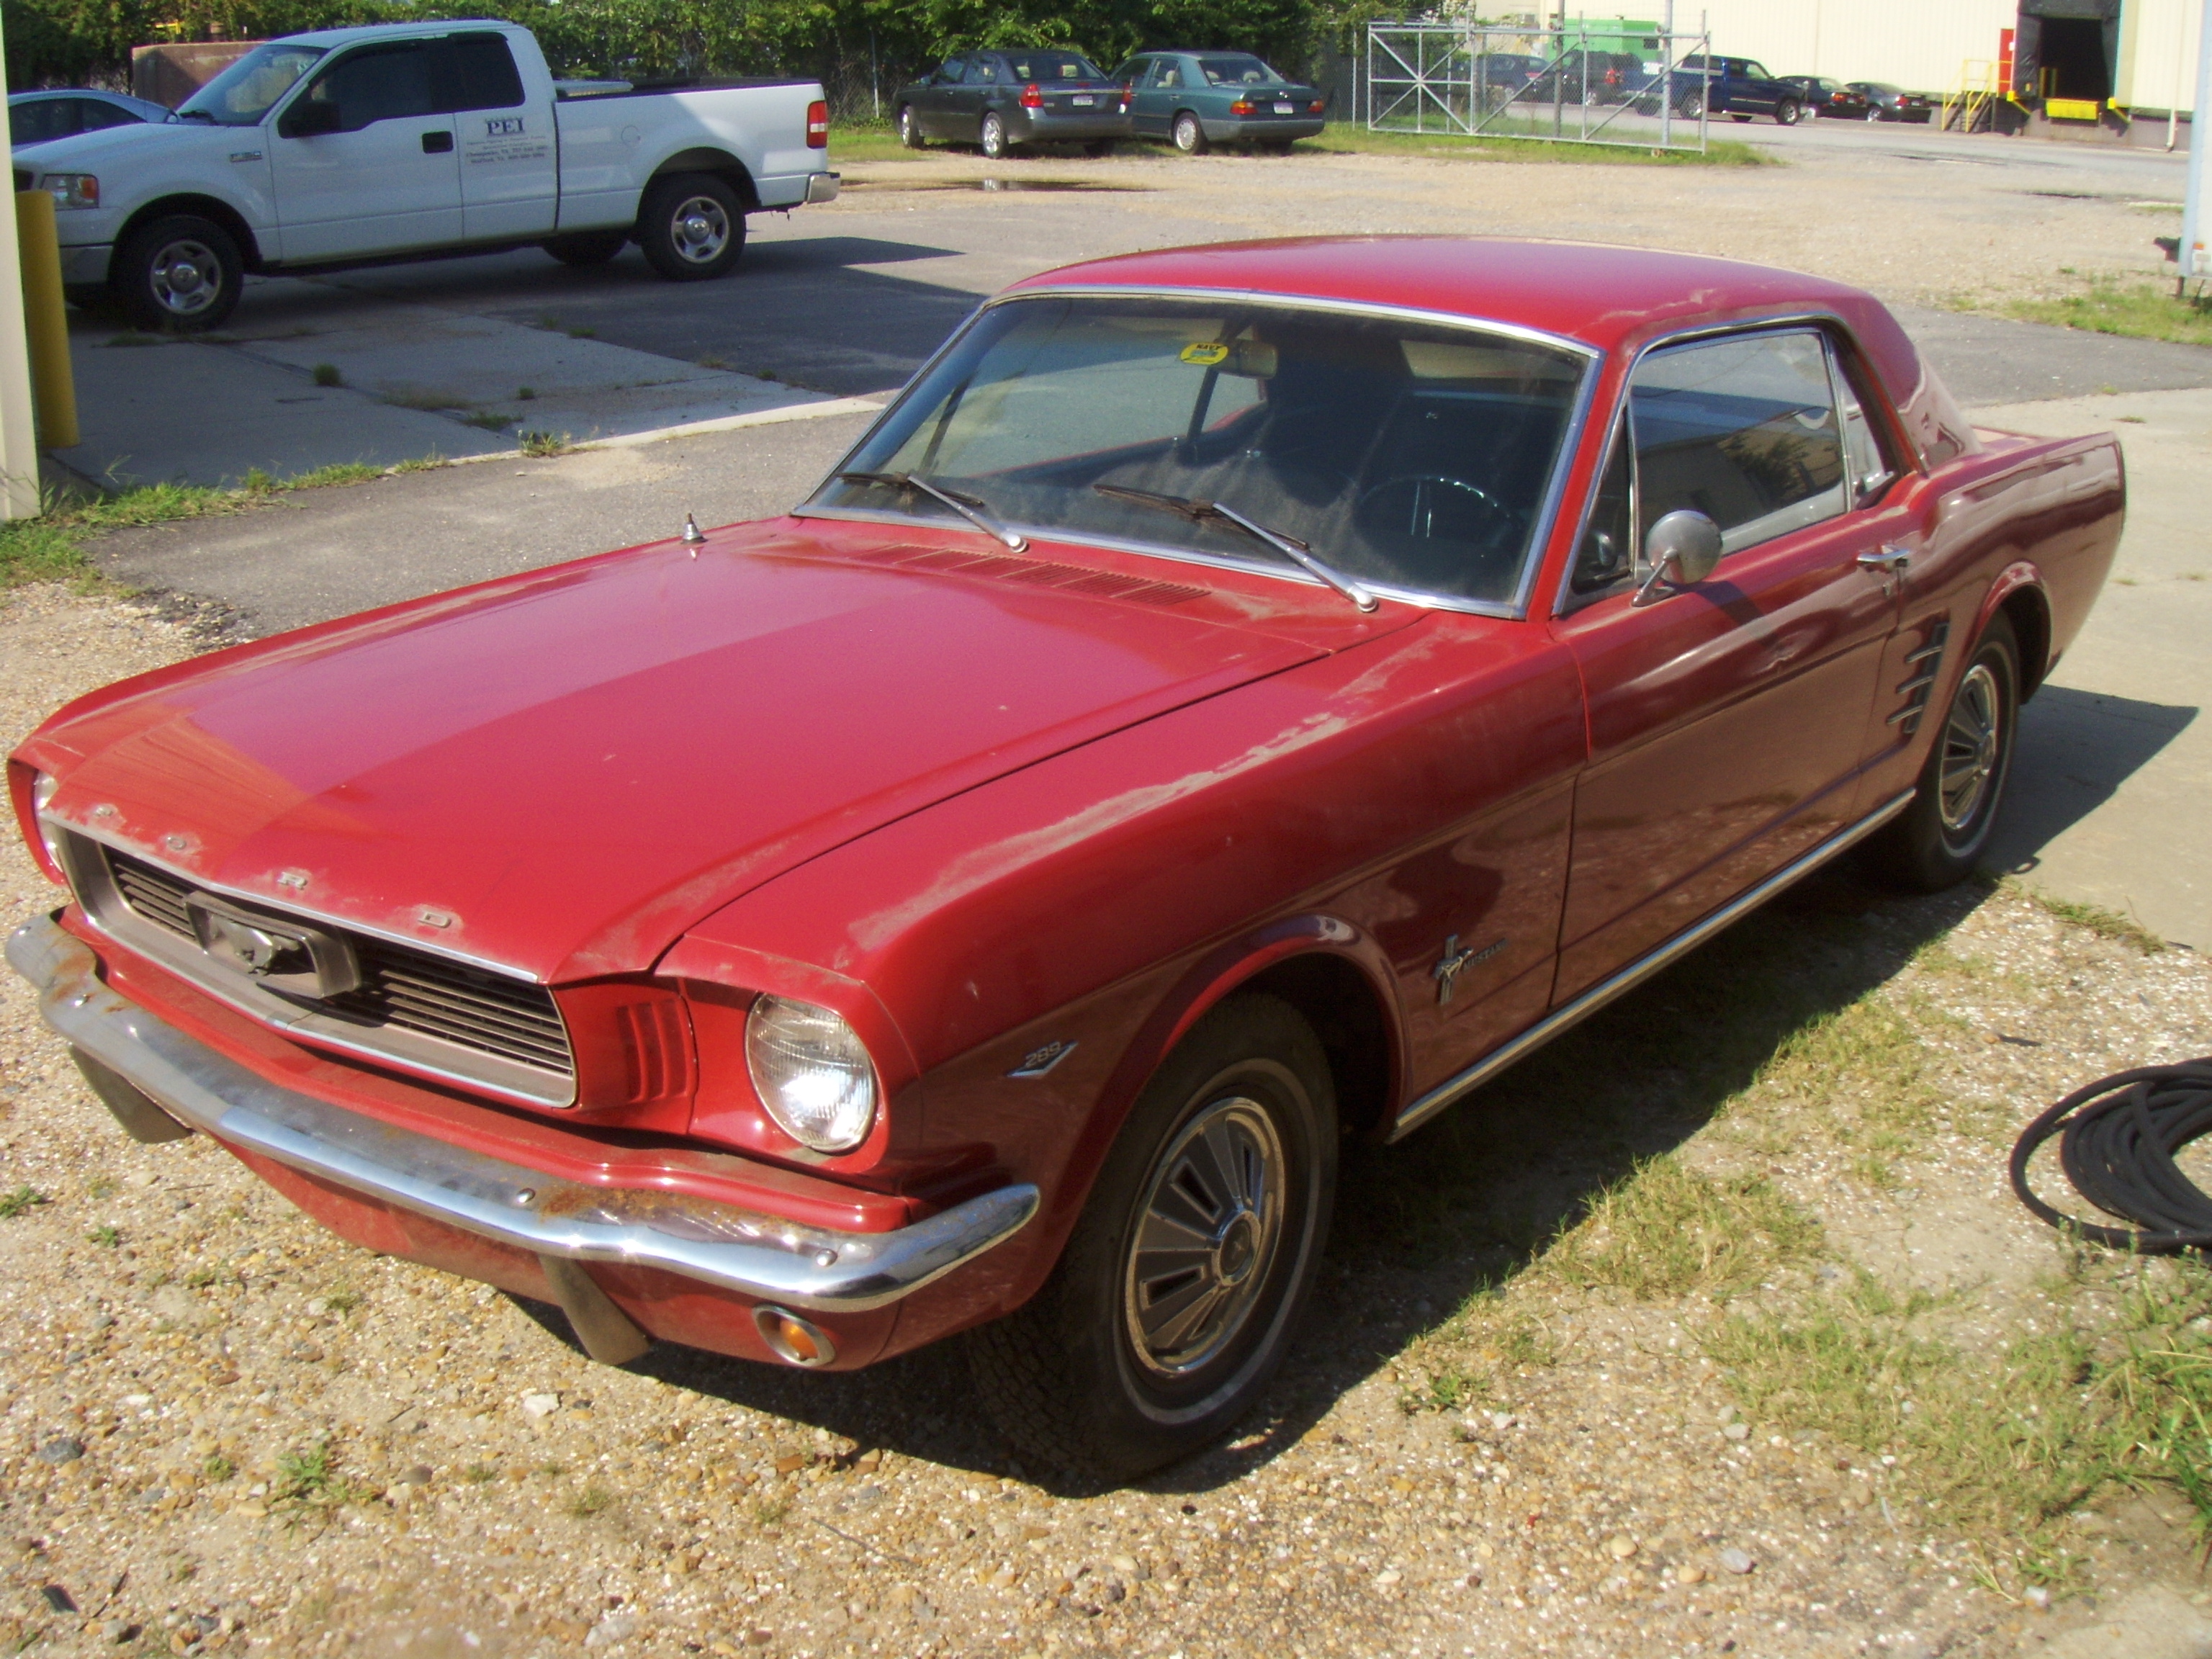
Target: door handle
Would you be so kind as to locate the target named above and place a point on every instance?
(1887, 560)
(437, 143)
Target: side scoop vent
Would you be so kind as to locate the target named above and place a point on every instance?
(1034, 573)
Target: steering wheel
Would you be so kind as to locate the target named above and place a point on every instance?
(1421, 507)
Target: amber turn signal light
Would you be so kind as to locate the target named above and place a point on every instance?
(795, 1339)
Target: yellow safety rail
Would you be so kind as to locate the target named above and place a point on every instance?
(1972, 93)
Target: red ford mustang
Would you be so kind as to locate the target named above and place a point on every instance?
(1234, 700)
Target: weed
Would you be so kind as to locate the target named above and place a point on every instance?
(308, 1477)
(183, 1571)
(523, 394)
(771, 1512)
(589, 1502)
(421, 463)
(488, 420)
(1667, 1230)
(583, 333)
(2095, 919)
(551, 1471)
(342, 1301)
(327, 375)
(99, 1186)
(544, 445)
(200, 1278)
(20, 1201)
(105, 1235)
(478, 1473)
(1340, 140)
(2145, 310)
(337, 472)
(427, 401)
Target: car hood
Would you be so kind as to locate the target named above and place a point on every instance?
(85, 152)
(560, 772)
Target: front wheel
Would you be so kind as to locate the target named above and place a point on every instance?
(1690, 107)
(182, 273)
(691, 227)
(1189, 133)
(1786, 113)
(1936, 841)
(1179, 1289)
(909, 128)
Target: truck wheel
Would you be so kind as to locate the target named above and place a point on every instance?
(1934, 843)
(182, 273)
(1692, 107)
(909, 128)
(587, 247)
(1179, 1290)
(1189, 135)
(691, 227)
(1786, 113)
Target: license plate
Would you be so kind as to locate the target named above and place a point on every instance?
(1083, 101)
(1286, 109)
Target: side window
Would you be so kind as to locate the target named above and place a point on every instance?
(1607, 552)
(1742, 429)
(96, 115)
(1868, 469)
(1167, 73)
(474, 71)
(377, 83)
(948, 74)
(41, 119)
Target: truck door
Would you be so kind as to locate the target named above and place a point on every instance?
(509, 186)
(363, 162)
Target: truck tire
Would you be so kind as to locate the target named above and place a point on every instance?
(1181, 1284)
(1786, 112)
(587, 247)
(691, 227)
(1936, 841)
(1692, 105)
(909, 128)
(182, 273)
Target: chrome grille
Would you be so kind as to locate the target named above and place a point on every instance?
(488, 1013)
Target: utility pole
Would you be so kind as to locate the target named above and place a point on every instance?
(19, 436)
(2189, 255)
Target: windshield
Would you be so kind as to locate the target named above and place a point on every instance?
(244, 92)
(1238, 71)
(1410, 456)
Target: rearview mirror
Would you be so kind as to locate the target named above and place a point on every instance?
(1682, 548)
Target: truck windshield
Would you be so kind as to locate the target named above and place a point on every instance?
(244, 92)
(1407, 455)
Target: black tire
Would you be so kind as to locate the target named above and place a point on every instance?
(909, 128)
(1936, 841)
(182, 273)
(992, 137)
(588, 247)
(1189, 133)
(1079, 1378)
(691, 227)
(1786, 112)
(1691, 107)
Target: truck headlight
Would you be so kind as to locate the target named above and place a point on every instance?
(812, 1072)
(72, 190)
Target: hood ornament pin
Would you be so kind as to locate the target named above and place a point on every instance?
(694, 537)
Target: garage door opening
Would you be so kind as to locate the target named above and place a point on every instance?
(2074, 62)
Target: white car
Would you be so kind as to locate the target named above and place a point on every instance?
(350, 146)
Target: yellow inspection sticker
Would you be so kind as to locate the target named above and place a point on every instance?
(1205, 353)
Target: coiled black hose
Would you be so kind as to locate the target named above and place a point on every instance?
(2118, 1138)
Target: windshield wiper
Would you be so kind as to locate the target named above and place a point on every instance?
(966, 506)
(1199, 511)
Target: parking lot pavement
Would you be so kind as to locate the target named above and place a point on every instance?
(2113, 775)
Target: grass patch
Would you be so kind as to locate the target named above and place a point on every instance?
(312, 1477)
(21, 1201)
(2095, 919)
(1667, 1230)
(488, 420)
(215, 1468)
(1347, 140)
(2143, 311)
(544, 445)
(423, 464)
(430, 402)
(106, 1235)
(477, 1474)
(326, 374)
(590, 1501)
(2003, 1447)
(337, 473)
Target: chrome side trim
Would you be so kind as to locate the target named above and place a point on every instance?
(1419, 1111)
(756, 1254)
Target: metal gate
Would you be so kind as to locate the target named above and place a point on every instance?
(1581, 82)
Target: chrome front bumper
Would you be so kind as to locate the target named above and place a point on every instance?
(757, 1255)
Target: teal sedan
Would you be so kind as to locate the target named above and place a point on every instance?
(1199, 99)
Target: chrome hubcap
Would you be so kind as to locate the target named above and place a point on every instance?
(701, 230)
(1971, 747)
(1208, 1232)
(187, 278)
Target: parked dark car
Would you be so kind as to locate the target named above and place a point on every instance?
(1506, 75)
(1647, 83)
(1828, 98)
(1199, 99)
(1889, 103)
(1590, 78)
(1004, 100)
(39, 118)
(1740, 87)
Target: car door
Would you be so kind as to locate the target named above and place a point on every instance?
(932, 103)
(1729, 720)
(1160, 94)
(508, 183)
(964, 100)
(363, 162)
(1762, 92)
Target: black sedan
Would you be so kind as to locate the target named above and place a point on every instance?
(1004, 99)
(39, 118)
(1830, 98)
(1889, 103)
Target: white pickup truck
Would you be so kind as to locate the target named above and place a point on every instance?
(353, 147)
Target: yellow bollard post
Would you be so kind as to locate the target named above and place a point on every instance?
(53, 382)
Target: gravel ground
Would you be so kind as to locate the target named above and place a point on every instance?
(225, 1430)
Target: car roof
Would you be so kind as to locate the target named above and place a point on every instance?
(1605, 297)
(429, 27)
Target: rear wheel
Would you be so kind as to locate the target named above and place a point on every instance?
(1786, 113)
(1692, 107)
(691, 227)
(909, 128)
(1179, 1288)
(996, 145)
(1189, 133)
(591, 248)
(1937, 839)
(181, 273)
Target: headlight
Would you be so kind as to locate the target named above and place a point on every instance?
(42, 791)
(812, 1072)
(72, 190)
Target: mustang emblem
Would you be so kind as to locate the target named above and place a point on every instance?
(283, 954)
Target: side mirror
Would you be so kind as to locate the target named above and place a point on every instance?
(311, 119)
(1682, 548)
